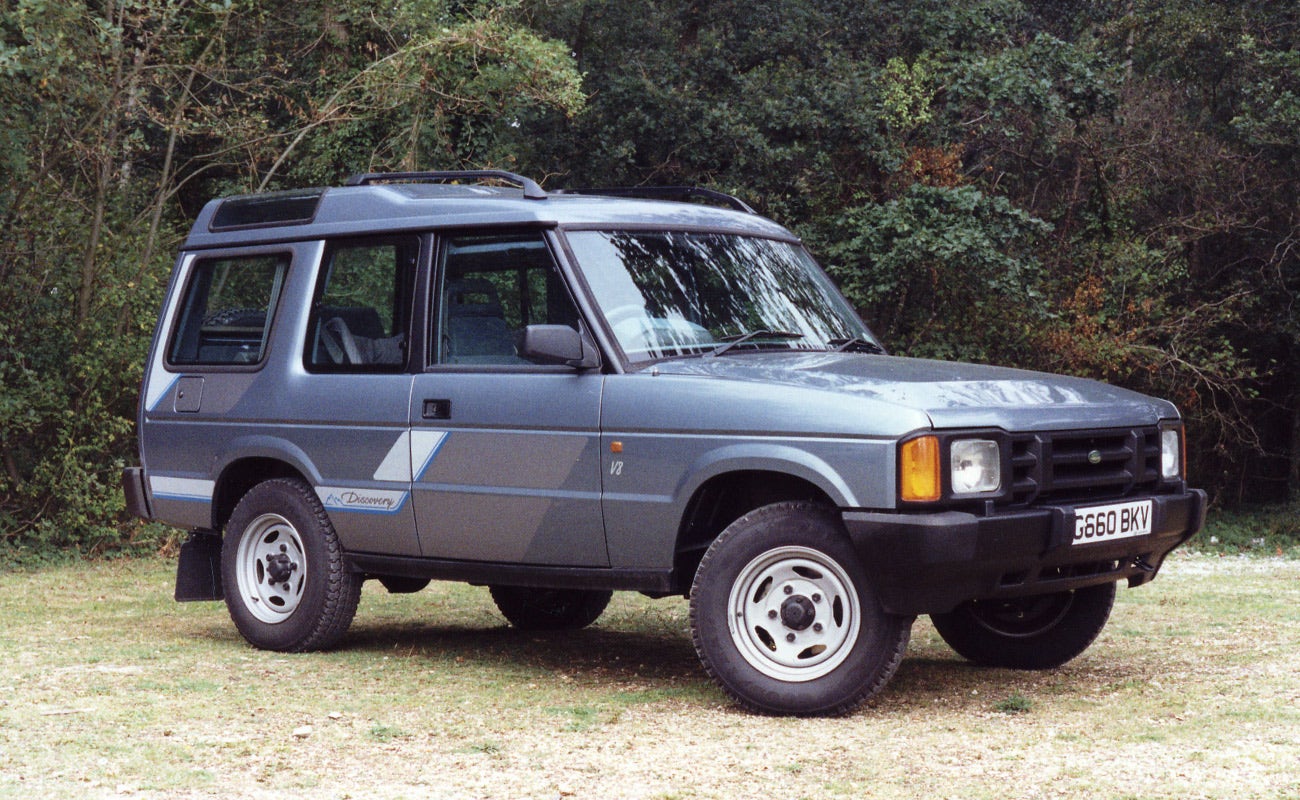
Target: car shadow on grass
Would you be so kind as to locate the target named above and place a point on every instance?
(606, 654)
(658, 657)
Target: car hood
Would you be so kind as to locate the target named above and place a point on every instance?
(953, 395)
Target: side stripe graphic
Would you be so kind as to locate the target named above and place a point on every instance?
(195, 489)
(396, 466)
(424, 449)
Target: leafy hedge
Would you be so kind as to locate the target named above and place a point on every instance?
(1106, 189)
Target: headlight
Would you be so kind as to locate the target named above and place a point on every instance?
(976, 466)
(1171, 453)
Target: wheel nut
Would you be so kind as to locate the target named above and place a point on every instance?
(817, 598)
(788, 590)
(771, 614)
(817, 627)
(789, 637)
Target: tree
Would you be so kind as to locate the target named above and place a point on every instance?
(1116, 180)
(121, 117)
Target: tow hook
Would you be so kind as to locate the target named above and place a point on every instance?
(1141, 563)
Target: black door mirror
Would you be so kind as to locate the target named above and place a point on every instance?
(557, 344)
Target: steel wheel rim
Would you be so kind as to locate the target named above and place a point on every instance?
(793, 614)
(271, 568)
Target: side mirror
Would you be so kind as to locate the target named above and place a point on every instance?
(557, 344)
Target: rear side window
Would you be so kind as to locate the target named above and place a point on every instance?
(226, 313)
(362, 306)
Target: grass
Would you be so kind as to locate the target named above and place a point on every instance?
(1268, 530)
(109, 689)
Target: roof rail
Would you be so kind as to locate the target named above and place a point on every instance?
(532, 190)
(668, 193)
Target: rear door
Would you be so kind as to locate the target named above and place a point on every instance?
(505, 453)
(351, 403)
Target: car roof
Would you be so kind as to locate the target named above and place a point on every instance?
(374, 208)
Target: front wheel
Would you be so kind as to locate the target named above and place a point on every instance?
(784, 619)
(287, 584)
(1038, 632)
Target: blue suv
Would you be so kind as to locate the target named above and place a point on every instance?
(461, 376)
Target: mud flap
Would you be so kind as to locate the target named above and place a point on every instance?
(198, 573)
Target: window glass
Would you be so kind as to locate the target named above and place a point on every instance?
(362, 309)
(672, 294)
(226, 313)
(493, 287)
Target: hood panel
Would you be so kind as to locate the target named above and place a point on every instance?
(953, 395)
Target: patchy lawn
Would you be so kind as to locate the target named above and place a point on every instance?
(109, 689)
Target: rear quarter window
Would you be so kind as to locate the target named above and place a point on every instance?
(226, 312)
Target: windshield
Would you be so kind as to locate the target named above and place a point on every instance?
(670, 293)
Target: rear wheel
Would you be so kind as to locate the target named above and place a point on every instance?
(784, 618)
(533, 609)
(1039, 632)
(287, 584)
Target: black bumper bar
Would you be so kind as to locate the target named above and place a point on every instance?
(931, 563)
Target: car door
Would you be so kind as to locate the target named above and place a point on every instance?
(350, 408)
(505, 452)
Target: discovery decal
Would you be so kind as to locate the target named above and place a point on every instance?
(365, 501)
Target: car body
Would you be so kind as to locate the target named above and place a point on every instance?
(421, 376)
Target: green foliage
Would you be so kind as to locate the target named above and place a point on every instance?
(1015, 704)
(1151, 136)
(1107, 189)
(907, 93)
(119, 119)
(1270, 110)
(1263, 530)
(936, 269)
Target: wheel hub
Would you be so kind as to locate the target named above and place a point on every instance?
(271, 568)
(279, 567)
(798, 613)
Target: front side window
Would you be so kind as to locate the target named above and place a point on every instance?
(363, 305)
(226, 314)
(493, 287)
(667, 294)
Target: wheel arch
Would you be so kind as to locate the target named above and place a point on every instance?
(258, 459)
(726, 497)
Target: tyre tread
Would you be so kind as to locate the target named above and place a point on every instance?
(342, 589)
(895, 635)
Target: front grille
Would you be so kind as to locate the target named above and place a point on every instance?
(1080, 466)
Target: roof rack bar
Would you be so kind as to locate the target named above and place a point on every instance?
(532, 190)
(668, 193)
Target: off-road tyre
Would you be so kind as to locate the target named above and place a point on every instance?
(533, 609)
(1031, 633)
(279, 529)
(784, 618)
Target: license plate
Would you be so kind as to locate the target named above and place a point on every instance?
(1108, 523)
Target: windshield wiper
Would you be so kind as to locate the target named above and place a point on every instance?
(741, 338)
(856, 343)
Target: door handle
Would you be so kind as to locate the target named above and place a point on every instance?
(436, 409)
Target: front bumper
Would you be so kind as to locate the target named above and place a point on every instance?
(930, 563)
